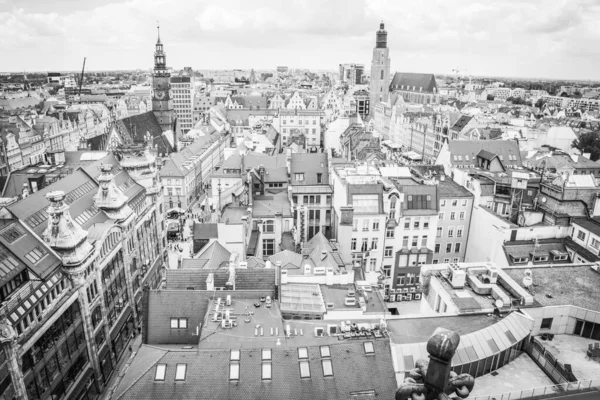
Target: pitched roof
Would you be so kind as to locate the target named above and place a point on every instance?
(207, 377)
(245, 279)
(287, 258)
(309, 164)
(414, 82)
(211, 257)
(133, 130)
(466, 151)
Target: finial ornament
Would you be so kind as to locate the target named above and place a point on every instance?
(158, 30)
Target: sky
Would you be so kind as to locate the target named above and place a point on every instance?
(520, 38)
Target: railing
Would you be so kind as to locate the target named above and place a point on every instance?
(542, 391)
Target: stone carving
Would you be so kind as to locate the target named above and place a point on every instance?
(433, 379)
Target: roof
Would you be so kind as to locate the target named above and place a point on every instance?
(268, 206)
(460, 124)
(205, 231)
(309, 164)
(408, 80)
(447, 188)
(558, 286)
(212, 256)
(466, 151)
(207, 374)
(133, 130)
(245, 279)
(288, 259)
(591, 225)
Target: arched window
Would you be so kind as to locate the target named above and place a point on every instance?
(381, 74)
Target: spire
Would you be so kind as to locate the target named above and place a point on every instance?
(381, 42)
(158, 30)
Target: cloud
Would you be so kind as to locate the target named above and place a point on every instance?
(512, 37)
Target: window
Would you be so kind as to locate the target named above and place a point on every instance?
(178, 323)
(266, 354)
(389, 232)
(364, 245)
(461, 215)
(580, 235)
(457, 247)
(302, 352)
(369, 349)
(441, 216)
(327, 367)
(442, 203)
(546, 323)
(304, 369)
(355, 224)
(372, 264)
(374, 243)
(180, 372)
(595, 243)
(452, 216)
(376, 225)
(400, 279)
(415, 241)
(388, 251)
(234, 355)
(268, 247)
(319, 177)
(426, 223)
(161, 370)
(437, 248)
(234, 371)
(266, 370)
(454, 203)
(459, 231)
(353, 244)
(325, 352)
(269, 226)
(387, 270)
(405, 241)
(365, 225)
(464, 202)
(424, 241)
(450, 231)
(449, 248)
(407, 223)
(299, 177)
(440, 231)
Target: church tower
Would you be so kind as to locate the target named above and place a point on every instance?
(162, 105)
(380, 70)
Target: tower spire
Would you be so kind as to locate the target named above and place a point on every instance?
(158, 30)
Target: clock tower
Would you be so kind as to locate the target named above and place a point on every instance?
(380, 70)
(162, 105)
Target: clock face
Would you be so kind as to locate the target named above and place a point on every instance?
(160, 94)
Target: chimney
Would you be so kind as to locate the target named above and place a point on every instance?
(63, 234)
(230, 285)
(210, 282)
(261, 171)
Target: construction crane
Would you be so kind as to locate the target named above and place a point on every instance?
(81, 78)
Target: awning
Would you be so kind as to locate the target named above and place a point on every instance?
(114, 332)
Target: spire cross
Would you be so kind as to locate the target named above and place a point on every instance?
(158, 30)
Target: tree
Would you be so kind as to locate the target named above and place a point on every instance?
(510, 99)
(490, 97)
(540, 103)
(588, 142)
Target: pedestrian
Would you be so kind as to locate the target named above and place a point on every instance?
(130, 349)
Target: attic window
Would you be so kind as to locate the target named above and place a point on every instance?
(302, 352)
(369, 349)
(161, 370)
(234, 355)
(520, 260)
(327, 367)
(304, 369)
(325, 351)
(540, 258)
(180, 372)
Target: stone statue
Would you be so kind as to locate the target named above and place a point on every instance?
(434, 379)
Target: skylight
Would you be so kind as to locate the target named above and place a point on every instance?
(234, 372)
(325, 351)
(266, 370)
(369, 349)
(266, 354)
(161, 370)
(235, 355)
(302, 352)
(304, 369)
(327, 367)
(180, 372)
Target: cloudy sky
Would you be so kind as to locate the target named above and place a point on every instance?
(529, 38)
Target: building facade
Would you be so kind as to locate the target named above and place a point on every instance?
(182, 93)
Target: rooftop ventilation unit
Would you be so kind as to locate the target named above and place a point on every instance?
(492, 273)
(350, 301)
(456, 276)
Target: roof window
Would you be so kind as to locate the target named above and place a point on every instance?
(180, 372)
(302, 352)
(161, 370)
(266, 354)
(304, 369)
(369, 349)
(234, 371)
(234, 355)
(327, 367)
(325, 352)
(267, 370)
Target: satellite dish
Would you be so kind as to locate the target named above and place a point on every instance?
(527, 281)
(544, 199)
(499, 303)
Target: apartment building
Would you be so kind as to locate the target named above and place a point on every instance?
(306, 122)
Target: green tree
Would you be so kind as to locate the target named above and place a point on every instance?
(540, 103)
(490, 97)
(588, 142)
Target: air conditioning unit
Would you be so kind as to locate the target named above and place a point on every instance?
(456, 276)
(492, 273)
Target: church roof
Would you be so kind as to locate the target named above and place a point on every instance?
(414, 82)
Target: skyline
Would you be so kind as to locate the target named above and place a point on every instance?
(480, 38)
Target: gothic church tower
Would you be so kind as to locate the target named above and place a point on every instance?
(162, 105)
(380, 70)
